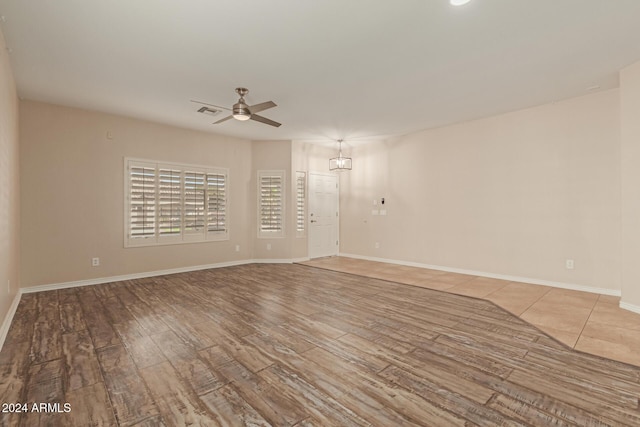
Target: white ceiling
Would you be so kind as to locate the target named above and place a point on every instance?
(336, 68)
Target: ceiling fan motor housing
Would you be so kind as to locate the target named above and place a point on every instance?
(241, 111)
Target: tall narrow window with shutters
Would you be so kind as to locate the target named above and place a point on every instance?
(174, 203)
(301, 199)
(271, 185)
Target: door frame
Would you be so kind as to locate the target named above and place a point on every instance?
(337, 176)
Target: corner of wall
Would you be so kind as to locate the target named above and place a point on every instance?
(630, 177)
(9, 192)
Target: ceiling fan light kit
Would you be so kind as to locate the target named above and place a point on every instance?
(243, 112)
(340, 163)
(240, 113)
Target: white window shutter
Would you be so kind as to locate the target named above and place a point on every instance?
(271, 203)
(194, 202)
(168, 203)
(216, 203)
(301, 199)
(142, 201)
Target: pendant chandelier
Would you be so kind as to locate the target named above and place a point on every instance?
(340, 163)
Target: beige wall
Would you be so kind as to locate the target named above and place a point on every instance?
(9, 185)
(515, 194)
(315, 157)
(72, 183)
(630, 124)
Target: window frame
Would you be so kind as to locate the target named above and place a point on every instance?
(183, 236)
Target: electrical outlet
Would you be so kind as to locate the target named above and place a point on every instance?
(95, 262)
(237, 248)
(569, 264)
(268, 246)
(377, 245)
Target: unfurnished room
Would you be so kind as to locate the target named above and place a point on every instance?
(320, 213)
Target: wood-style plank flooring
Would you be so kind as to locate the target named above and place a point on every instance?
(289, 345)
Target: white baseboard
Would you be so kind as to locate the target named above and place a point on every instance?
(100, 280)
(570, 286)
(4, 328)
(273, 261)
(279, 260)
(630, 307)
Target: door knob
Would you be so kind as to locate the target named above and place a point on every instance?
(313, 220)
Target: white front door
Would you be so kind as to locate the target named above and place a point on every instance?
(323, 215)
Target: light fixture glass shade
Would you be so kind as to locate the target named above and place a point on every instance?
(340, 163)
(241, 117)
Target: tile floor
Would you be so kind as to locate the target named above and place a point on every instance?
(585, 321)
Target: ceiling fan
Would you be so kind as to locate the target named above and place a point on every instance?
(241, 111)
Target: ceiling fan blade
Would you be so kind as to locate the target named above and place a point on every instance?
(261, 107)
(223, 120)
(211, 105)
(264, 120)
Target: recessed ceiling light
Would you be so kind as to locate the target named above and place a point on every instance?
(459, 2)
